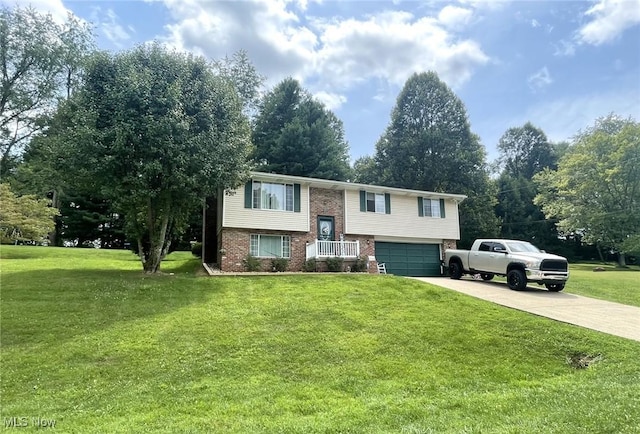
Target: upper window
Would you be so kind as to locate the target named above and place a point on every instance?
(430, 207)
(375, 202)
(272, 196)
(379, 203)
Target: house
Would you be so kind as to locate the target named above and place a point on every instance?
(301, 218)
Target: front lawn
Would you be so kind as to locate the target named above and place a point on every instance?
(90, 342)
(613, 284)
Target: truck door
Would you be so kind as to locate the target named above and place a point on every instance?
(500, 259)
(480, 259)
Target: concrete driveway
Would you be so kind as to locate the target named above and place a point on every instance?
(605, 316)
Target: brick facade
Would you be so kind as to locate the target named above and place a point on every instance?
(235, 248)
(233, 243)
(449, 244)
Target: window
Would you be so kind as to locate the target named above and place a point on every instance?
(485, 247)
(272, 196)
(270, 246)
(375, 202)
(431, 207)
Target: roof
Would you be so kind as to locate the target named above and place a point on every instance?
(343, 185)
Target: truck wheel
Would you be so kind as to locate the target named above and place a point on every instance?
(516, 280)
(555, 287)
(486, 276)
(455, 270)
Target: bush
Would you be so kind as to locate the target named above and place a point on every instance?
(279, 264)
(334, 264)
(251, 263)
(309, 265)
(196, 249)
(360, 265)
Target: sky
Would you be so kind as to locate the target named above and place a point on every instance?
(557, 64)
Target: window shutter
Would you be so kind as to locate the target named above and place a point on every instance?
(420, 207)
(442, 215)
(248, 194)
(296, 197)
(363, 201)
(387, 203)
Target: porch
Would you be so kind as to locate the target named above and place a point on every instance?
(329, 249)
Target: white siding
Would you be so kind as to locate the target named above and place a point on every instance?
(235, 215)
(403, 222)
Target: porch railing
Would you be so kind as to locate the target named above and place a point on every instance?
(328, 249)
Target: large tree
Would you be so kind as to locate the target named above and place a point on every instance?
(428, 145)
(524, 151)
(294, 134)
(40, 60)
(156, 131)
(596, 189)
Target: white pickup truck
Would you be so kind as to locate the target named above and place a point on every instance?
(520, 261)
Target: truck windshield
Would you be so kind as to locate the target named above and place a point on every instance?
(521, 246)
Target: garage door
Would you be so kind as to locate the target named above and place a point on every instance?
(404, 259)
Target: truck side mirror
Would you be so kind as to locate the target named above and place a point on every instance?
(499, 249)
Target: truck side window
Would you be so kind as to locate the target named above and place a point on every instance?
(485, 247)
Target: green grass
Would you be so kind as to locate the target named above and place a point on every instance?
(613, 284)
(91, 342)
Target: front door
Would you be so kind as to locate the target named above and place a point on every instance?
(326, 228)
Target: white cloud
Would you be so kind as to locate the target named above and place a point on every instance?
(564, 48)
(332, 101)
(54, 7)
(609, 19)
(535, 23)
(271, 34)
(333, 53)
(540, 79)
(391, 46)
(454, 17)
(109, 25)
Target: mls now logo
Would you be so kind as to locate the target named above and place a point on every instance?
(23, 422)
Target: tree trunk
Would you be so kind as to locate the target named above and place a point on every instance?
(53, 235)
(152, 254)
(151, 264)
(621, 260)
(600, 253)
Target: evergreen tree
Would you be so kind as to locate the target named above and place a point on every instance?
(295, 134)
(428, 145)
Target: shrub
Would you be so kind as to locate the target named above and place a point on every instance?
(279, 264)
(334, 264)
(309, 265)
(360, 265)
(251, 263)
(196, 249)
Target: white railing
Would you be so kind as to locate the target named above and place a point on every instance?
(328, 249)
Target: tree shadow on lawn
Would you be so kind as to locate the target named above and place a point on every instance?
(50, 306)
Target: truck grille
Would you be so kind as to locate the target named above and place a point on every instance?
(553, 265)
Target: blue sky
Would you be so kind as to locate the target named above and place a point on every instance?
(557, 64)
